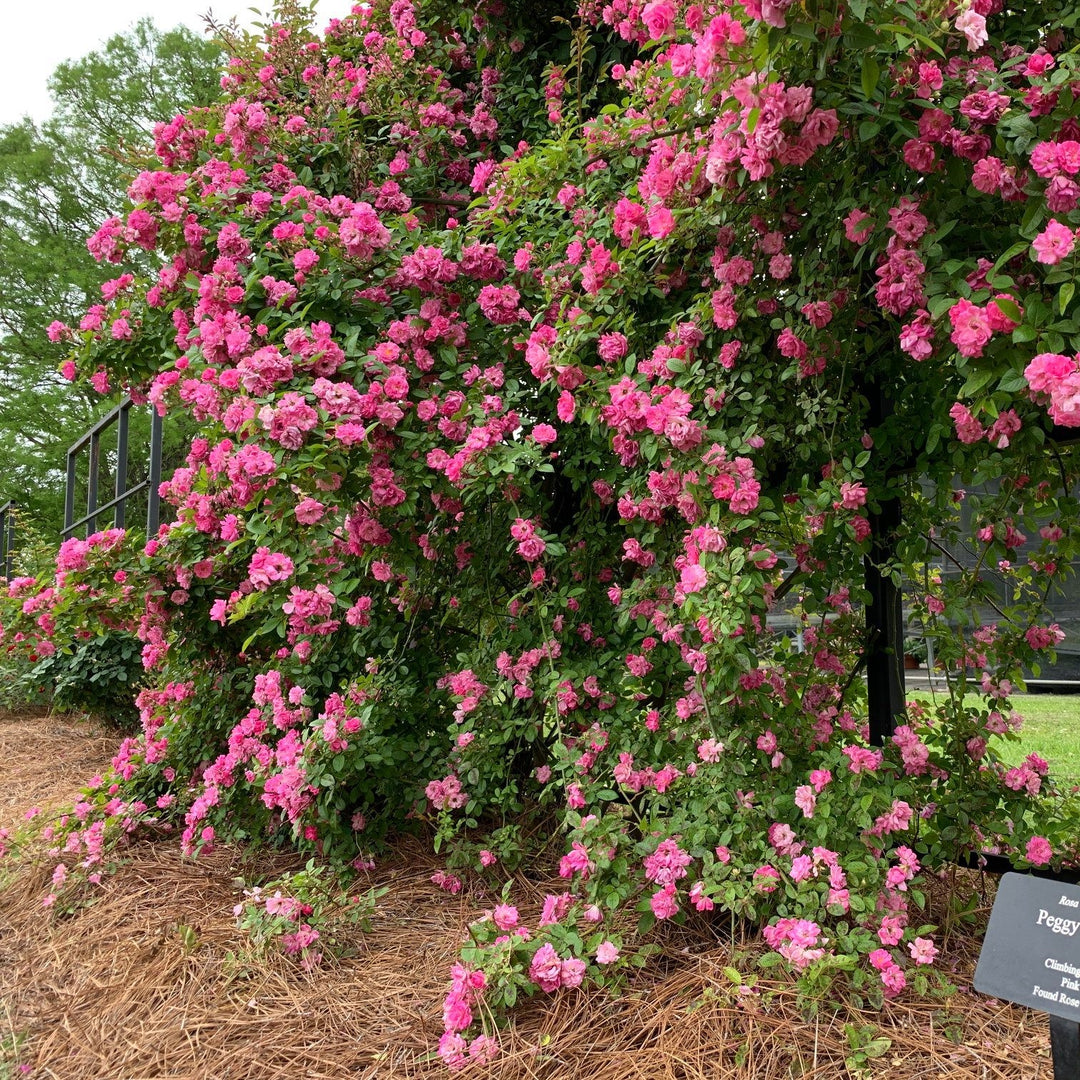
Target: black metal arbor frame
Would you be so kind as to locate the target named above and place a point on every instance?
(91, 441)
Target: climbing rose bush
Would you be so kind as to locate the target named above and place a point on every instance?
(552, 384)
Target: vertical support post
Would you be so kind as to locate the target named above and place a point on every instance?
(69, 493)
(1065, 1048)
(7, 537)
(152, 500)
(92, 482)
(121, 463)
(884, 627)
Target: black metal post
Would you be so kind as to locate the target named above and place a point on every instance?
(121, 463)
(1065, 1048)
(884, 627)
(92, 482)
(7, 537)
(69, 492)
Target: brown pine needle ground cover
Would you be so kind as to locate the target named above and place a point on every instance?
(154, 980)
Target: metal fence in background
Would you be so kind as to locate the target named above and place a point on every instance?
(122, 490)
(7, 538)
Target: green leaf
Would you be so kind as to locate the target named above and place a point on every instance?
(906, 31)
(1065, 295)
(1012, 382)
(871, 72)
(1009, 253)
(876, 1047)
(1010, 309)
(977, 381)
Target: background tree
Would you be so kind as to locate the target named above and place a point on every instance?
(57, 181)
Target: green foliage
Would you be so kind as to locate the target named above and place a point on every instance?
(98, 675)
(308, 914)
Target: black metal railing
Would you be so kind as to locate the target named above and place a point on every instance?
(122, 491)
(7, 539)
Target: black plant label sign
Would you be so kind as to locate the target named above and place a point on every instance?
(1031, 953)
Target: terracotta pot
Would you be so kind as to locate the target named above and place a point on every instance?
(911, 662)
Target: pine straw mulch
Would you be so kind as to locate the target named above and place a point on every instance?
(153, 981)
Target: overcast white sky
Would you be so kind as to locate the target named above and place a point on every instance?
(39, 34)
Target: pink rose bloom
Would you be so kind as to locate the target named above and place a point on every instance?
(916, 337)
(1047, 370)
(852, 496)
(659, 18)
(894, 980)
(971, 328)
(1038, 851)
(522, 528)
(1039, 63)
(805, 799)
(922, 950)
(606, 953)
(919, 155)
(890, 932)
(305, 259)
(973, 26)
(572, 972)
(452, 1049)
(780, 267)
(987, 174)
(661, 222)
(693, 578)
(544, 434)
(1062, 195)
(308, 511)
(766, 879)
(699, 899)
(881, 959)
(457, 1015)
(857, 226)
(1054, 243)
(504, 916)
(546, 968)
(1004, 428)
(532, 548)
(710, 750)
(612, 347)
(663, 902)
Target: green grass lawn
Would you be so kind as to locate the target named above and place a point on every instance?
(1051, 730)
